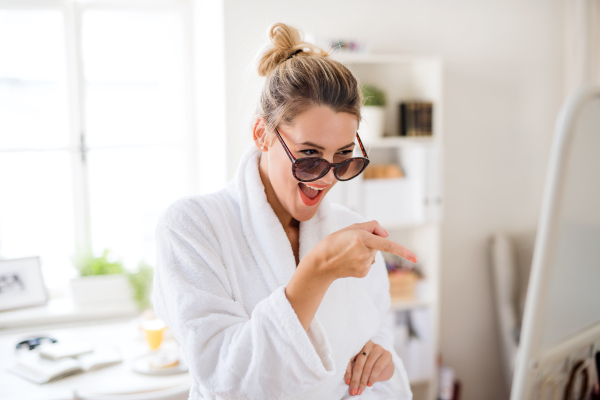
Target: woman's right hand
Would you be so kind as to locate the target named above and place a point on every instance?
(350, 252)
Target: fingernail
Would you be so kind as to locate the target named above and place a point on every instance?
(359, 391)
(352, 391)
(385, 231)
(413, 259)
(347, 381)
(369, 384)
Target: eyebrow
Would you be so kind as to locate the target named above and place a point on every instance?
(311, 144)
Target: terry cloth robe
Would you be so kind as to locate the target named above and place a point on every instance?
(223, 261)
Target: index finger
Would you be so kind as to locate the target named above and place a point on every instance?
(375, 242)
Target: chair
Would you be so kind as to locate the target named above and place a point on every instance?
(511, 256)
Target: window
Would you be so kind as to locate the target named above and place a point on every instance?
(95, 128)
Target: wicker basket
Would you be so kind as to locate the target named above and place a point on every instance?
(402, 285)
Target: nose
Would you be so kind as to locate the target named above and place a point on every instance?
(328, 179)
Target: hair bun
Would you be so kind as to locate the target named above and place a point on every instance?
(285, 41)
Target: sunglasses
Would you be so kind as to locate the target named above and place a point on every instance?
(308, 169)
(34, 342)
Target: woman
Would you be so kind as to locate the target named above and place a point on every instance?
(272, 292)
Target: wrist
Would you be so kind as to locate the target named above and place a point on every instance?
(316, 266)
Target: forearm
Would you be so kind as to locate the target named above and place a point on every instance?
(306, 290)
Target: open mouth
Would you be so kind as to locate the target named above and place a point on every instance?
(309, 195)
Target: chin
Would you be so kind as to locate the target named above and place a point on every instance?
(305, 215)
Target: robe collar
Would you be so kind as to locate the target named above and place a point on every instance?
(266, 237)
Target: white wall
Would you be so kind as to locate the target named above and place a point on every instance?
(503, 88)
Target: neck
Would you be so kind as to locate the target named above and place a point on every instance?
(285, 218)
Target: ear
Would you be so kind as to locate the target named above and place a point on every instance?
(259, 134)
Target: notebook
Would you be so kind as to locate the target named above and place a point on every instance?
(38, 369)
(57, 351)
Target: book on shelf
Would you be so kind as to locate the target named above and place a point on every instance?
(416, 118)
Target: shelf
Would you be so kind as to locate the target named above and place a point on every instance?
(63, 311)
(399, 141)
(371, 58)
(409, 305)
(410, 208)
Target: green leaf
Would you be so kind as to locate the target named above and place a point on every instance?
(141, 283)
(89, 265)
(373, 96)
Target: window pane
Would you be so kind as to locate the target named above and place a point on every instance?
(33, 94)
(129, 188)
(36, 211)
(133, 77)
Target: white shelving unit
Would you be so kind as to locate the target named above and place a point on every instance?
(409, 208)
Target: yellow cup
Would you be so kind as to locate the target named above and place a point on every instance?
(153, 330)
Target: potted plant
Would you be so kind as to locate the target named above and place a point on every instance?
(101, 281)
(373, 112)
(141, 283)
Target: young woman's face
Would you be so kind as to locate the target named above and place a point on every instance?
(317, 132)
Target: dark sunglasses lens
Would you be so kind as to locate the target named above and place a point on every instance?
(349, 169)
(310, 168)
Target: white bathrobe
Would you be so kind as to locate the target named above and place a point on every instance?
(223, 261)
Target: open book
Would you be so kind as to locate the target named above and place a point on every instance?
(32, 366)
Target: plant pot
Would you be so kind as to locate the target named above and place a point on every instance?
(102, 289)
(371, 126)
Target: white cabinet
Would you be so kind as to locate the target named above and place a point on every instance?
(433, 192)
(412, 200)
(403, 202)
(392, 202)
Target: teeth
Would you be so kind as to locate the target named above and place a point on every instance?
(312, 187)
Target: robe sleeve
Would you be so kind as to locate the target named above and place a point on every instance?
(231, 354)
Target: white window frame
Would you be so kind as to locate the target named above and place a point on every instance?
(73, 11)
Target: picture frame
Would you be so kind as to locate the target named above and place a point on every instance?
(21, 283)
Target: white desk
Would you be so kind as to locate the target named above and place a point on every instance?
(119, 378)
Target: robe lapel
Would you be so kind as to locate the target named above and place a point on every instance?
(266, 238)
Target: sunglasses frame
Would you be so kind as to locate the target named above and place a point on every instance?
(33, 342)
(295, 161)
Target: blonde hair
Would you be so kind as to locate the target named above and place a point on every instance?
(300, 75)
